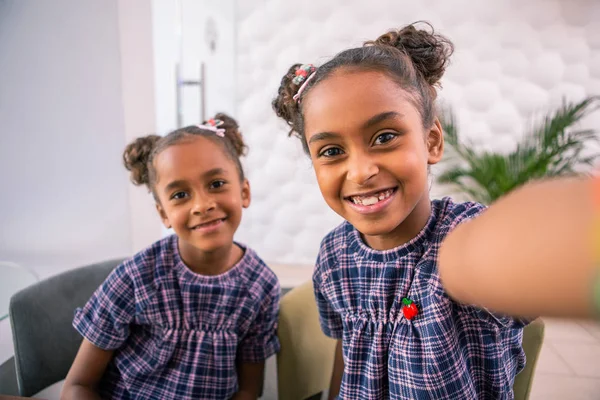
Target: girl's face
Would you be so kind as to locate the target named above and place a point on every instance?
(200, 195)
(371, 154)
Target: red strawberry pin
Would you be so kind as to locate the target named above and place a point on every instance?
(410, 309)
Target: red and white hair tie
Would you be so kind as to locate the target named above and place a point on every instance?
(213, 125)
(304, 74)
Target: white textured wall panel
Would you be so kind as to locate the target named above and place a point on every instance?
(514, 60)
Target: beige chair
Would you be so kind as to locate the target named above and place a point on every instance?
(305, 362)
(533, 338)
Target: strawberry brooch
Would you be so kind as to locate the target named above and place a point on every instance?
(409, 308)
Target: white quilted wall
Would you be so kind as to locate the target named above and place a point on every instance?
(513, 59)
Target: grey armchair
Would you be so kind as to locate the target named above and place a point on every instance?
(41, 315)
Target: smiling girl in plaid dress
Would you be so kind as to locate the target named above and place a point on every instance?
(194, 315)
(367, 119)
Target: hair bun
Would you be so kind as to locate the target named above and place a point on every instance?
(136, 156)
(232, 133)
(428, 51)
(284, 105)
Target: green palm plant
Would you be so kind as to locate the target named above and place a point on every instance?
(552, 148)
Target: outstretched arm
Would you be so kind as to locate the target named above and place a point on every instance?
(531, 253)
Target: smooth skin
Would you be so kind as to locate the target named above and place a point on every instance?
(531, 253)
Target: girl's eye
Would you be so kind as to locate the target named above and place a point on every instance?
(179, 195)
(384, 138)
(217, 184)
(331, 152)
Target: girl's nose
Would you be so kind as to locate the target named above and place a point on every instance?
(361, 168)
(203, 204)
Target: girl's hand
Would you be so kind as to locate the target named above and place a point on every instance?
(250, 380)
(85, 373)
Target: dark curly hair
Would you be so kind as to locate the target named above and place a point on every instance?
(415, 58)
(139, 155)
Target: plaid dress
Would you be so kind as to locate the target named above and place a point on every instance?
(177, 334)
(448, 351)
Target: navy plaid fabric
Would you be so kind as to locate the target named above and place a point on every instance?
(177, 334)
(448, 351)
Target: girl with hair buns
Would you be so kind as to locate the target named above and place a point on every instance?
(194, 315)
(367, 120)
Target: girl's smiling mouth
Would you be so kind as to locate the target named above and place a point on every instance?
(371, 202)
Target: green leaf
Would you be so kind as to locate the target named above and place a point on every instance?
(551, 148)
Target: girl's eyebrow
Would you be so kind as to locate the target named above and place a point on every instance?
(381, 117)
(173, 185)
(323, 136)
(214, 172)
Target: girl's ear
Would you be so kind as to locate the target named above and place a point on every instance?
(163, 216)
(435, 143)
(246, 195)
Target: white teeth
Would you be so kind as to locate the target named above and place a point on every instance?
(370, 200)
